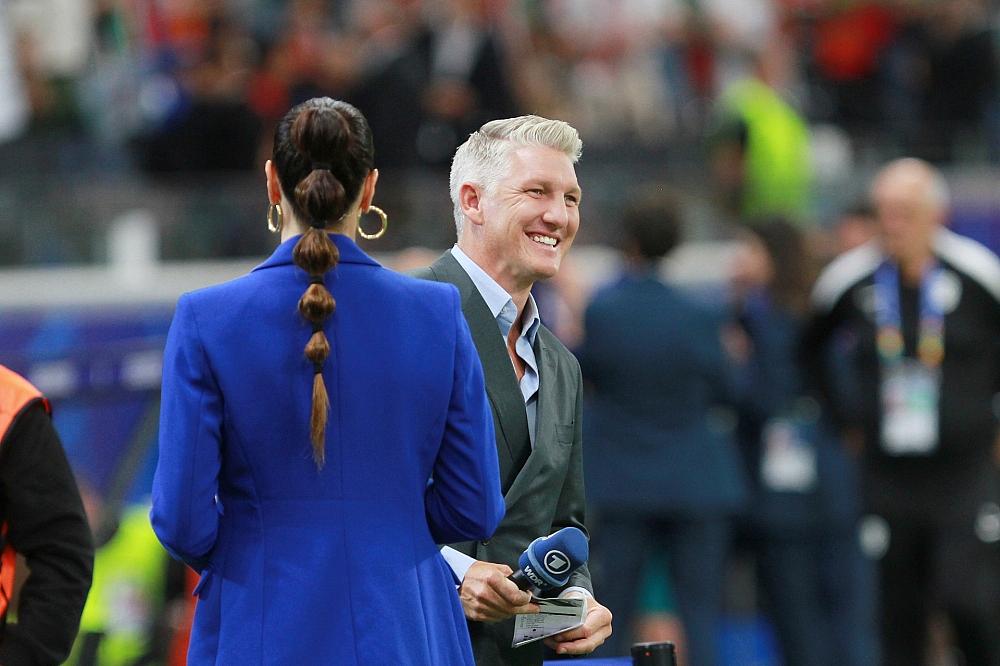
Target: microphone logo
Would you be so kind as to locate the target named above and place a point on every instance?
(556, 562)
(547, 561)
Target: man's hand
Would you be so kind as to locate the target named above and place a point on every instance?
(487, 595)
(586, 638)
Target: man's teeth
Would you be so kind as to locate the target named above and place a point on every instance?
(545, 240)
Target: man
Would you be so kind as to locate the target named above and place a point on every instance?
(759, 144)
(661, 475)
(516, 201)
(922, 307)
(43, 521)
(854, 227)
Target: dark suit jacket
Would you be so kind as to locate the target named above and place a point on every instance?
(547, 493)
(658, 370)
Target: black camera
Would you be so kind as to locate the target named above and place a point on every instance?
(654, 654)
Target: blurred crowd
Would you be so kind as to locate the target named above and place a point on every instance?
(164, 79)
(809, 445)
(767, 456)
(829, 421)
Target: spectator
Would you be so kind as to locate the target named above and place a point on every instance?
(922, 306)
(803, 519)
(854, 227)
(760, 144)
(660, 469)
(209, 125)
(451, 77)
(13, 97)
(962, 76)
(847, 43)
(137, 589)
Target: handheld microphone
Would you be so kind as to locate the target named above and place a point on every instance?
(548, 561)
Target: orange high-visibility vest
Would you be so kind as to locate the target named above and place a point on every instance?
(16, 395)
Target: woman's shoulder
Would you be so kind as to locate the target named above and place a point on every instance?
(212, 295)
(218, 304)
(441, 292)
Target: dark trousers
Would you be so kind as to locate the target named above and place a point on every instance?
(944, 566)
(821, 598)
(696, 547)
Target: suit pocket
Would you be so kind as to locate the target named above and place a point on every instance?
(201, 589)
(565, 434)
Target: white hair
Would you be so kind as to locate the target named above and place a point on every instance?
(937, 193)
(485, 156)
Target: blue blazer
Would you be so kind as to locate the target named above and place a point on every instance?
(776, 388)
(657, 370)
(339, 565)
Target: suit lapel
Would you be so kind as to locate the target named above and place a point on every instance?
(501, 382)
(545, 422)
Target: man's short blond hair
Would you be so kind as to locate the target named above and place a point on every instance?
(484, 158)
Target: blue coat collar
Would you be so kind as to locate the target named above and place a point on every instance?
(350, 253)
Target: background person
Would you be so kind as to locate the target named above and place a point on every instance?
(660, 471)
(310, 489)
(802, 520)
(855, 226)
(922, 306)
(137, 595)
(43, 521)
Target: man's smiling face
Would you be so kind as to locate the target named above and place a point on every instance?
(530, 217)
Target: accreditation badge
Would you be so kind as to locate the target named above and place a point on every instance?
(788, 463)
(910, 392)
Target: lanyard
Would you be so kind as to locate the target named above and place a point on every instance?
(889, 339)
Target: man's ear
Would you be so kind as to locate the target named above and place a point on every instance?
(471, 200)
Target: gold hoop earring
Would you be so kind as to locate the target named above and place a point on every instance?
(272, 226)
(385, 224)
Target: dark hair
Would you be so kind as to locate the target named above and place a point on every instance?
(651, 226)
(322, 154)
(862, 208)
(791, 257)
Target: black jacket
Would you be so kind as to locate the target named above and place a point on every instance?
(844, 319)
(40, 502)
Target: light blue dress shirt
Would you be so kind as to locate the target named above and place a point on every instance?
(502, 307)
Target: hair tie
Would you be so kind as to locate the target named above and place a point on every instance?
(317, 327)
(322, 166)
(318, 368)
(316, 279)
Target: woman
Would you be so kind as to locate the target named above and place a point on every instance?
(310, 488)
